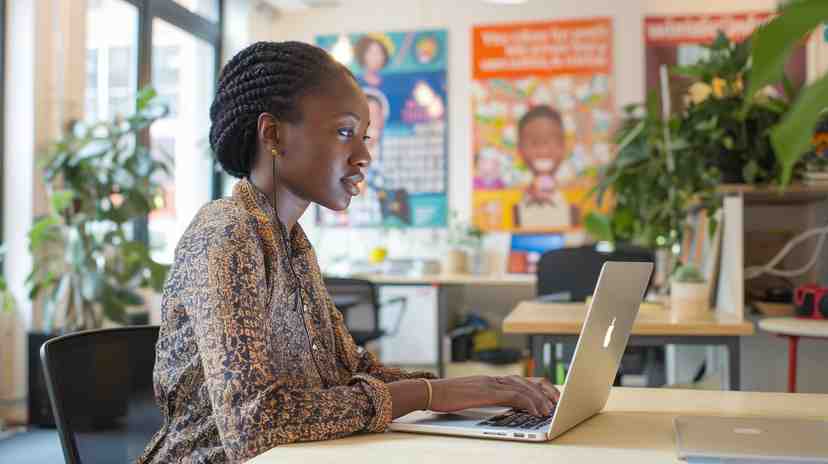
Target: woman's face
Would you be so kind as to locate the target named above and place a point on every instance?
(374, 58)
(542, 145)
(325, 153)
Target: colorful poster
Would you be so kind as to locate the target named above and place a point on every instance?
(403, 75)
(543, 112)
(678, 40)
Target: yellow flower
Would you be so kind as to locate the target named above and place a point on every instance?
(738, 86)
(719, 86)
(699, 92)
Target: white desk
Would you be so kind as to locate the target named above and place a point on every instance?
(442, 283)
(635, 428)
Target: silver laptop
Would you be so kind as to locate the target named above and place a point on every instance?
(751, 440)
(603, 338)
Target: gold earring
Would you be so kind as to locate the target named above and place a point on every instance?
(274, 152)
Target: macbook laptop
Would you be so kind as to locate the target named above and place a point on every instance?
(603, 338)
(735, 440)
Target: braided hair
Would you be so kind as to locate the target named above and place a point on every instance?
(265, 77)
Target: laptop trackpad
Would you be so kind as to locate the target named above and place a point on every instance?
(462, 418)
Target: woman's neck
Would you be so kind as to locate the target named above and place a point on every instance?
(289, 207)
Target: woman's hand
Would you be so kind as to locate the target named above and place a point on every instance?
(537, 396)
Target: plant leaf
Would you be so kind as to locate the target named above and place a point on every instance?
(792, 137)
(774, 42)
(598, 225)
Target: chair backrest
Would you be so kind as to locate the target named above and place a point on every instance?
(575, 270)
(349, 293)
(101, 389)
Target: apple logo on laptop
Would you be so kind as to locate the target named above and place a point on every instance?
(608, 336)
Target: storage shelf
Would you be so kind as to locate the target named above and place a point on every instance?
(794, 194)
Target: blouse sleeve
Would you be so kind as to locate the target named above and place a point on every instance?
(254, 409)
(362, 361)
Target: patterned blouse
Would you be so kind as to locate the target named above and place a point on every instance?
(252, 352)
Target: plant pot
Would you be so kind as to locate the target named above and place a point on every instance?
(457, 262)
(689, 300)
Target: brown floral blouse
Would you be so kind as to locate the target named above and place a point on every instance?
(243, 361)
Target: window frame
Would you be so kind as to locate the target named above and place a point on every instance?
(191, 23)
(2, 117)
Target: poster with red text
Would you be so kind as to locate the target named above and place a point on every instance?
(679, 39)
(543, 111)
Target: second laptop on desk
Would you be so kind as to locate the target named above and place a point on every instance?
(603, 338)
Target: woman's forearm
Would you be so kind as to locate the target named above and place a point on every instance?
(407, 396)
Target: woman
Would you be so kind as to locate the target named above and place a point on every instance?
(252, 352)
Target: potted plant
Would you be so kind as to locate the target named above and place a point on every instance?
(653, 188)
(465, 252)
(689, 292)
(725, 125)
(87, 266)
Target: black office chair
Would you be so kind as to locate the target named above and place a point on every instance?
(571, 275)
(350, 293)
(100, 387)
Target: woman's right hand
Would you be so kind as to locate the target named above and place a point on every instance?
(535, 396)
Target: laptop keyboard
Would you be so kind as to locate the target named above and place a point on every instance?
(519, 420)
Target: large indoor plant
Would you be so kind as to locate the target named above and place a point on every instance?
(653, 187)
(668, 166)
(100, 179)
(772, 46)
(87, 266)
(725, 125)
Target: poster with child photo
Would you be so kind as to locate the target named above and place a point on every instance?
(543, 112)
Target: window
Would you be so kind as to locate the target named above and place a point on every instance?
(172, 45)
(210, 9)
(111, 58)
(183, 68)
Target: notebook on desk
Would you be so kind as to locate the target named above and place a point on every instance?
(603, 338)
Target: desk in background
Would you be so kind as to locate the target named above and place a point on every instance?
(561, 323)
(442, 283)
(635, 427)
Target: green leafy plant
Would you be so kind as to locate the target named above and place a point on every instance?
(688, 274)
(100, 178)
(729, 128)
(653, 189)
(462, 234)
(773, 44)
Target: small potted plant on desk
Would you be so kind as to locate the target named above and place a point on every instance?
(465, 252)
(88, 266)
(689, 293)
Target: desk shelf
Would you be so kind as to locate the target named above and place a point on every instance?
(794, 194)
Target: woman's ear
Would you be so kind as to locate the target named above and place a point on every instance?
(268, 132)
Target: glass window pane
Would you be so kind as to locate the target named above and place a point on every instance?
(207, 8)
(111, 59)
(183, 69)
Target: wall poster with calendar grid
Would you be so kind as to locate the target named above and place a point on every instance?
(403, 75)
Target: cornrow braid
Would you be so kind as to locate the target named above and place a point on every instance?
(265, 77)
